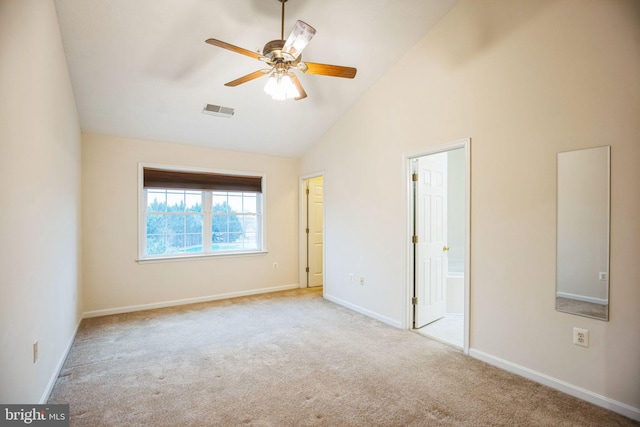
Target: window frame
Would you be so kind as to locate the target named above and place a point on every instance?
(206, 211)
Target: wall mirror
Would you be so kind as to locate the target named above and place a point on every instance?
(582, 263)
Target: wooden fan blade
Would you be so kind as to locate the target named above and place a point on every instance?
(247, 78)
(328, 70)
(233, 48)
(301, 91)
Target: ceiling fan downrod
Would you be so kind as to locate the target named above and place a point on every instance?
(282, 20)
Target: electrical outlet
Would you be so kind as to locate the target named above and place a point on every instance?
(603, 276)
(35, 351)
(362, 281)
(275, 265)
(581, 337)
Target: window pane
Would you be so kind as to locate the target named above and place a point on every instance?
(236, 238)
(234, 227)
(227, 246)
(194, 224)
(219, 238)
(235, 202)
(251, 244)
(226, 228)
(175, 201)
(194, 242)
(219, 223)
(193, 201)
(156, 224)
(250, 224)
(250, 232)
(221, 208)
(175, 224)
(176, 243)
(156, 201)
(249, 203)
(219, 199)
(155, 245)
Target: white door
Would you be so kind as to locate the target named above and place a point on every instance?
(315, 231)
(431, 231)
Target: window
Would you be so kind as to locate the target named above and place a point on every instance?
(174, 221)
(194, 213)
(234, 221)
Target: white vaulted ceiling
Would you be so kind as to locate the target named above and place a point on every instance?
(142, 69)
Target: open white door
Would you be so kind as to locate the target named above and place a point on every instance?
(315, 240)
(431, 233)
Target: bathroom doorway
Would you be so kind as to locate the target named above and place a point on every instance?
(439, 240)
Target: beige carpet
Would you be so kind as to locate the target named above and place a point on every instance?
(291, 359)
(582, 308)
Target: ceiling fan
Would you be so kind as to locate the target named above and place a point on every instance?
(283, 57)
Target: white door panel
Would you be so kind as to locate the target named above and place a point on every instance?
(431, 231)
(315, 224)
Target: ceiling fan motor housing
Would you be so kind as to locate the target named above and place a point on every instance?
(274, 54)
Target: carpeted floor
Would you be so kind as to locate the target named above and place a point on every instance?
(291, 359)
(582, 308)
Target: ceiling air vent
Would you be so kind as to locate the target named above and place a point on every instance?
(216, 110)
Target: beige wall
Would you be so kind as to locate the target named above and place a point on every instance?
(112, 278)
(40, 192)
(524, 80)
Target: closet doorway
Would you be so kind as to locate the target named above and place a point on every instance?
(313, 207)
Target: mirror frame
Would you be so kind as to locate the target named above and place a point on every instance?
(588, 238)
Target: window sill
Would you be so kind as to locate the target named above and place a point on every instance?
(199, 257)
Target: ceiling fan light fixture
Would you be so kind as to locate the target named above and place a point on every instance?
(280, 86)
(298, 39)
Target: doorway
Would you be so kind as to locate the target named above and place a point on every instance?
(314, 231)
(439, 210)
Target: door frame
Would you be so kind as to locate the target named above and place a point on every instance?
(302, 235)
(409, 282)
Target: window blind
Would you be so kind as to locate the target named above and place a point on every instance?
(162, 178)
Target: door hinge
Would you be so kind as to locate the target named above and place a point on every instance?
(414, 300)
(414, 177)
(307, 269)
(307, 191)
(307, 230)
(414, 239)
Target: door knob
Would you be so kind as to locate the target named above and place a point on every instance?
(445, 248)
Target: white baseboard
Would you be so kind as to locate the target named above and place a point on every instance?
(131, 308)
(565, 387)
(364, 311)
(59, 365)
